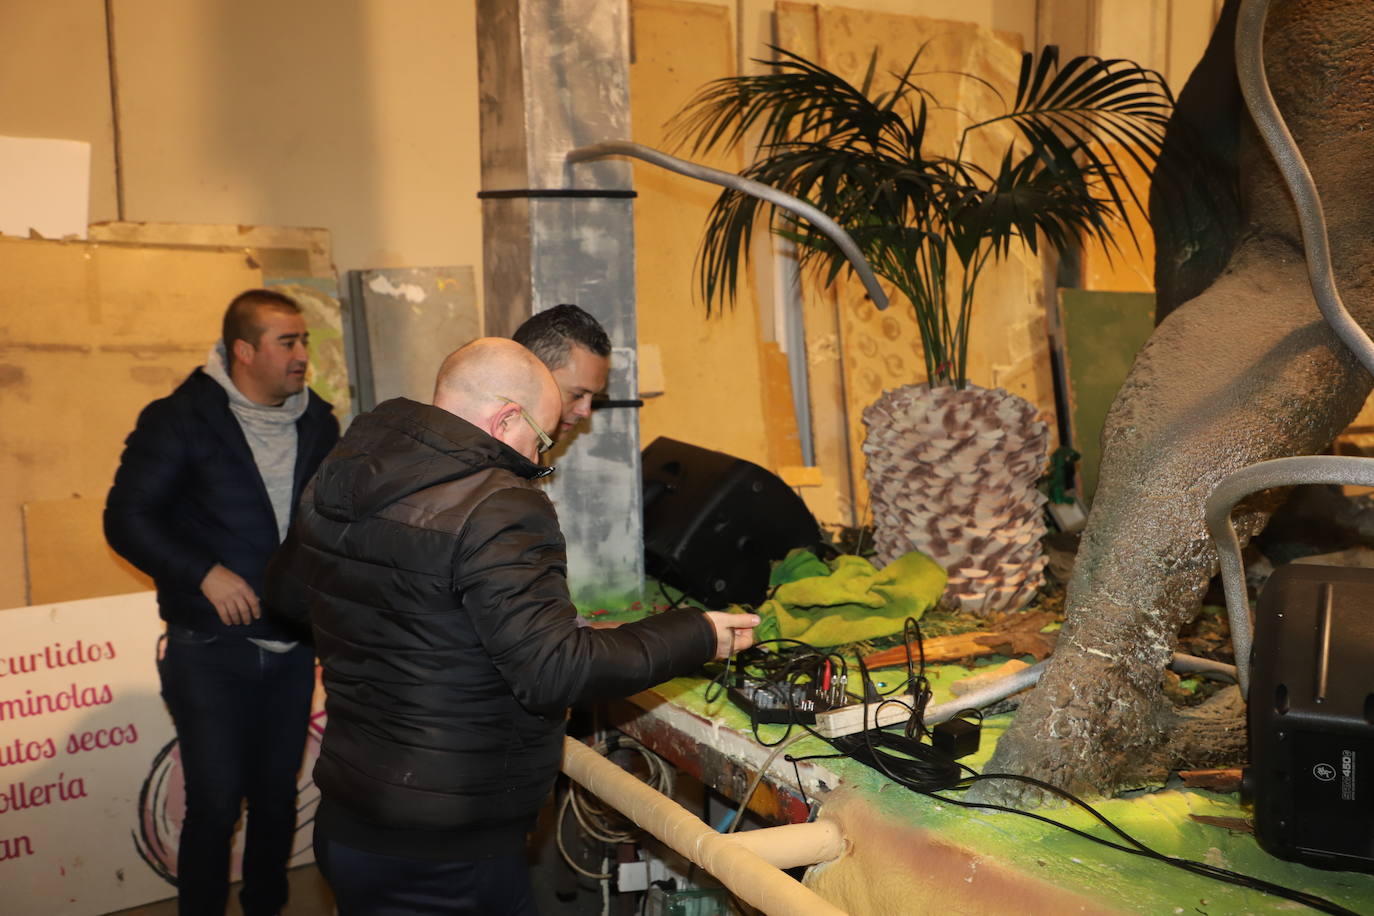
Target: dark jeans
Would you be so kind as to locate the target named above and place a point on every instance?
(241, 714)
(372, 884)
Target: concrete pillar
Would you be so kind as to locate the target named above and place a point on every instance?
(554, 75)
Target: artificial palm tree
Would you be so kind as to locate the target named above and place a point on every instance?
(951, 467)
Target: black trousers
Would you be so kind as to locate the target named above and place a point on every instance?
(373, 884)
(241, 714)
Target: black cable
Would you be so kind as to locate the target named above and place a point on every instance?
(908, 761)
(672, 605)
(1138, 848)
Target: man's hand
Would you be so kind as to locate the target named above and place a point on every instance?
(233, 598)
(734, 632)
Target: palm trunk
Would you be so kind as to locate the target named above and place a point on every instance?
(952, 473)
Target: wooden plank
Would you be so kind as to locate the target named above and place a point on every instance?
(784, 442)
(775, 801)
(1017, 633)
(295, 260)
(280, 251)
(708, 362)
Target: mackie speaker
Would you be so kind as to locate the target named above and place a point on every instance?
(713, 523)
(1311, 717)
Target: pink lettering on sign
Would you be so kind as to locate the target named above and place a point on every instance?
(21, 795)
(55, 656)
(101, 738)
(21, 751)
(15, 848)
(39, 704)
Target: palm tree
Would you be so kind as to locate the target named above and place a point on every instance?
(930, 224)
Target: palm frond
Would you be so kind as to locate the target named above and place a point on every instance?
(859, 155)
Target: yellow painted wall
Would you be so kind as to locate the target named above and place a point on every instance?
(713, 372)
(359, 117)
(54, 82)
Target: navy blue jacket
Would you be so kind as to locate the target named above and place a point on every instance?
(188, 495)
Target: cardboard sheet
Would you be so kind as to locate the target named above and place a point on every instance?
(45, 186)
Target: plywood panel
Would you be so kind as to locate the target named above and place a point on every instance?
(329, 373)
(294, 260)
(88, 336)
(784, 444)
(713, 372)
(66, 556)
(1130, 267)
(798, 29)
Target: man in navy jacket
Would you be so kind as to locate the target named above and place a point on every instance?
(203, 496)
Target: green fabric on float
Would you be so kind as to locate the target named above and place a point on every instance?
(847, 600)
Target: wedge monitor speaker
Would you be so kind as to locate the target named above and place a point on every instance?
(713, 523)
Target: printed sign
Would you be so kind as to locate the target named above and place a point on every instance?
(91, 793)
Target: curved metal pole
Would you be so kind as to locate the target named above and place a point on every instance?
(745, 186)
(883, 714)
(1279, 472)
(1254, 85)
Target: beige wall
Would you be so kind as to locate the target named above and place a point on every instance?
(54, 82)
(359, 117)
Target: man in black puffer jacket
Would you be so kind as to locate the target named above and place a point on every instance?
(202, 498)
(432, 570)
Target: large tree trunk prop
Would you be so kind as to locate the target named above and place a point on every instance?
(951, 472)
(1246, 371)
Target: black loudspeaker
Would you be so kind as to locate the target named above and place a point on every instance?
(1311, 717)
(713, 523)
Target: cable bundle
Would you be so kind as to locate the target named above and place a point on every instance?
(599, 822)
(907, 760)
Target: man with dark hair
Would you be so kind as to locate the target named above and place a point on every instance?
(433, 573)
(242, 319)
(203, 496)
(576, 349)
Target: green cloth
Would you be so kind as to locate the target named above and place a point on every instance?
(847, 600)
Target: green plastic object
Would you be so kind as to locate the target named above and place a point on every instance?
(1103, 332)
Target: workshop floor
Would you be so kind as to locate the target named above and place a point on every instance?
(555, 891)
(310, 896)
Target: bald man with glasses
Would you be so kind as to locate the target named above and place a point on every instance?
(432, 571)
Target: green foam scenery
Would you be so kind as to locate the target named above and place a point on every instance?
(1163, 820)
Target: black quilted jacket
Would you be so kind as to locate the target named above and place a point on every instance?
(188, 495)
(433, 573)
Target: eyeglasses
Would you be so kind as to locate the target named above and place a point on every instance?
(545, 440)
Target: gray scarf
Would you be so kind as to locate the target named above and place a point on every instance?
(271, 435)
